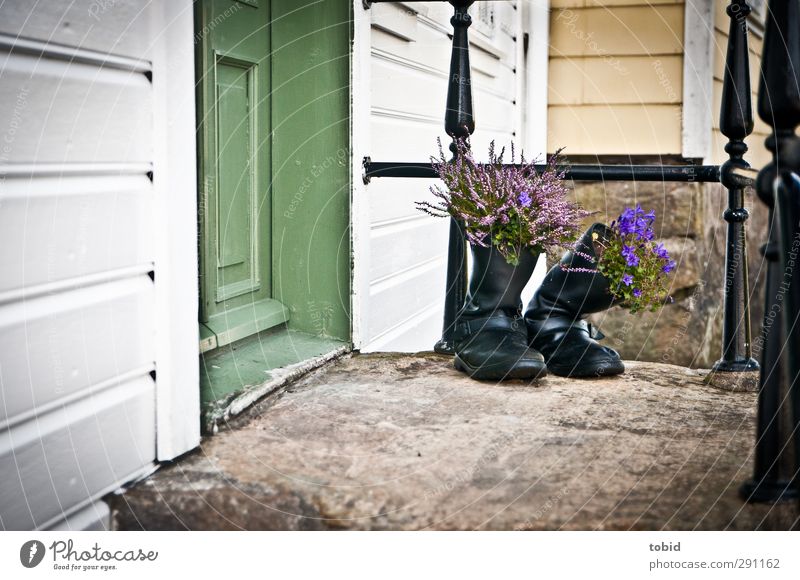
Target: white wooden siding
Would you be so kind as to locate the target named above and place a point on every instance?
(97, 192)
(409, 68)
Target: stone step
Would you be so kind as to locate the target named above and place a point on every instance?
(406, 442)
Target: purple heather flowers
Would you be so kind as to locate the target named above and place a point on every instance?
(513, 207)
(635, 266)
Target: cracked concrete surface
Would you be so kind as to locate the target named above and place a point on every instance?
(407, 442)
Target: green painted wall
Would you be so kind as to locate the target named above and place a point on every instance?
(311, 44)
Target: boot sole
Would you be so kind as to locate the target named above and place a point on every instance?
(489, 374)
(582, 371)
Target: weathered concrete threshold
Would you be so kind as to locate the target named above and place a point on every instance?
(406, 442)
(231, 406)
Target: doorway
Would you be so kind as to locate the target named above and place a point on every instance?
(273, 113)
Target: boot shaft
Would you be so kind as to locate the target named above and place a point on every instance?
(574, 287)
(496, 285)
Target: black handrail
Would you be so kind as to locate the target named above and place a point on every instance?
(777, 453)
(678, 173)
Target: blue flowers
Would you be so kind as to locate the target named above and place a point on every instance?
(636, 266)
(637, 223)
(629, 253)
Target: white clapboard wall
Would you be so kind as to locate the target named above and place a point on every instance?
(82, 252)
(409, 68)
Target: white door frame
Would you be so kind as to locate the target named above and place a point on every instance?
(176, 268)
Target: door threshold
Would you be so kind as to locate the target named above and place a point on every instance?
(239, 323)
(235, 376)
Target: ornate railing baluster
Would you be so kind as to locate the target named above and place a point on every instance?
(459, 124)
(776, 463)
(736, 123)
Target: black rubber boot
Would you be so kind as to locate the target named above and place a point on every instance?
(490, 337)
(554, 317)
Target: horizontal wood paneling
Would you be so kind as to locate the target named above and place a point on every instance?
(424, 239)
(116, 27)
(392, 199)
(617, 31)
(616, 77)
(399, 299)
(623, 80)
(422, 88)
(409, 71)
(53, 229)
(616, 129)
(94, 102)
(605, 3)
(61, 112)
(55, 348)
(65, 457)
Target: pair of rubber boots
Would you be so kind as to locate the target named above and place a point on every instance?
(493, 341)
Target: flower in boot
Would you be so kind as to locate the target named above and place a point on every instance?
(634, 265)
(513, 207)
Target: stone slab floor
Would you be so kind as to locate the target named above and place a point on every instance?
(407, 442)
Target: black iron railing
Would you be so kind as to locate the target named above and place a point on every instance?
(778, 447)
(777, 455)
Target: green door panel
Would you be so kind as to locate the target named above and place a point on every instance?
(311, 163)
(235, 157)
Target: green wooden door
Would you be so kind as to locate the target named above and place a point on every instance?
(235, 171)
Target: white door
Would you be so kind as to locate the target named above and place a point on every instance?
(97, 212)
(402, 277)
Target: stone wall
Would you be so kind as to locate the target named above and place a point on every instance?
(687, 332)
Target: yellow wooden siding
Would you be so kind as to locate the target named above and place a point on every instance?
(615, 129)
(615, 77)
(627, 80)
(604, 3)
(757, 156)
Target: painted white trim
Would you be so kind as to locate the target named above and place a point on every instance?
(521, 76)
(71, 54)
(176, 267)
(536, 76)
(698, 78)
(360, 105)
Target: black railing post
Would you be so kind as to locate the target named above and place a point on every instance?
(459, 123)
(776, 462)
(736, 123)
